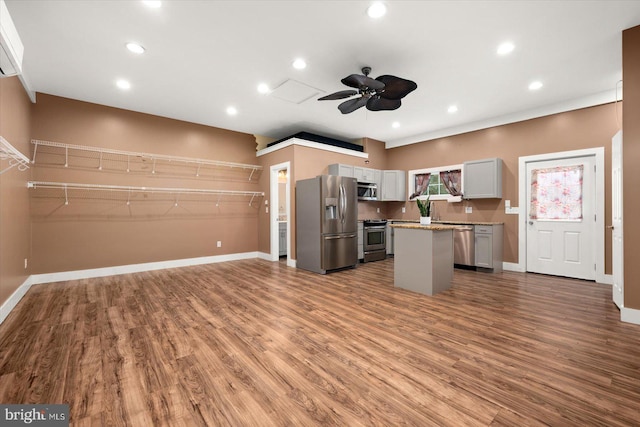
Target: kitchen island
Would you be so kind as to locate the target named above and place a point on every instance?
(423, 259)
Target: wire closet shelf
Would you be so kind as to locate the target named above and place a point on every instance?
(126, 190)
(15, 157)
(127, 158)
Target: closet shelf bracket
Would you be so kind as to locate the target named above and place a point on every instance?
(13, 155)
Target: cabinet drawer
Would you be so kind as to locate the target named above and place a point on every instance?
(484, 229)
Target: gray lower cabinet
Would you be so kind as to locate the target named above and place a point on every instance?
(360, 240)
(390, 236)
(282, 228)
(488, 246)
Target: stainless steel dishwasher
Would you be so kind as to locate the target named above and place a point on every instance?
(464, 246)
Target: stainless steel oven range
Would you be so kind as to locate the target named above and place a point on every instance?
(374, 239)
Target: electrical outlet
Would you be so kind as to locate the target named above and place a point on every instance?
(25, 263)
(266, 210)
(404, 210)
(219, 244)
(507, 203)
(378, 210)
(468, 209)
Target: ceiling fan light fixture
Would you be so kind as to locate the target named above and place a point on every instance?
(377, 10)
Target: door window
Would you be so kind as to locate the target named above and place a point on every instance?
(556, 193)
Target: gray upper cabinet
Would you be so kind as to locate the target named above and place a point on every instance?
(393, 185)
(482, 179)
(341, 170)
(366, 174)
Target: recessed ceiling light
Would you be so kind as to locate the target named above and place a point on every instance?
(505, 48)
(395, 125)
(452, 109)
(232, 111)
(123, 84)
(299, 64)
(377, 10)
(535, 85)
(152, 3)
(135, 48)
(263, 88)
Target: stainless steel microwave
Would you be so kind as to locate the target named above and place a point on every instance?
(367, 191)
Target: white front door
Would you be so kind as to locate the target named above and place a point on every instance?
(561, 225)
(616, 224)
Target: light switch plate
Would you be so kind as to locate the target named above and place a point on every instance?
(404, 210)
(468, 209)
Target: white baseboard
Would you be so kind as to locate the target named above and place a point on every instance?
(264, 255)
(607, 279)
(14, 299)
(136, 268)
(291, 263)
(512, 266)
(630, 315)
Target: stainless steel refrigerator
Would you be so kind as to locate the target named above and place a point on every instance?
(326, 223)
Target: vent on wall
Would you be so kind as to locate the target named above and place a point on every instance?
(11, 48)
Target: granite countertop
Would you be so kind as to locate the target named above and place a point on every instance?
(432, 227)
(449, 222)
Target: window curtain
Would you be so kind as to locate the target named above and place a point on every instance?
(421, 187)
(451, 181)
(556, 193)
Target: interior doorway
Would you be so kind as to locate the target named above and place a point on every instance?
(552, 235)
(280, 211)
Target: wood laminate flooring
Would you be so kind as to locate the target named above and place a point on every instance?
(254, 343)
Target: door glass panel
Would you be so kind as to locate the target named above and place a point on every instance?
(556, 193)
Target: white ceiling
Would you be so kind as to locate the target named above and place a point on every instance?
(203, 56)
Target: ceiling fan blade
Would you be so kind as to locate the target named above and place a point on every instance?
(396, 87)
(353, 104)
(339, 95)
(378, 104)
(362, 82)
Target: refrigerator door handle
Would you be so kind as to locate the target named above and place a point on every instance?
(341, 198)
(342, 236)
(340, 202)
(344, 203)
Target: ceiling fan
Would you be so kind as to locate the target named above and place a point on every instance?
(381, 93)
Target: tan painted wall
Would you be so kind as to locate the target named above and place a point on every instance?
(91, 234)
(15, 122)
(307, 163)
(580, 129)
(631, 171)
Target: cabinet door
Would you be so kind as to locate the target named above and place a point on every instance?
(358, 173)
(393, 185)
(341, 170)
(484, 250)
(482, 179)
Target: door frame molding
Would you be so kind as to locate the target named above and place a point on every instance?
(598, 152)
(274, 229)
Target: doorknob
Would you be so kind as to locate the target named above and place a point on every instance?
(610, 226)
